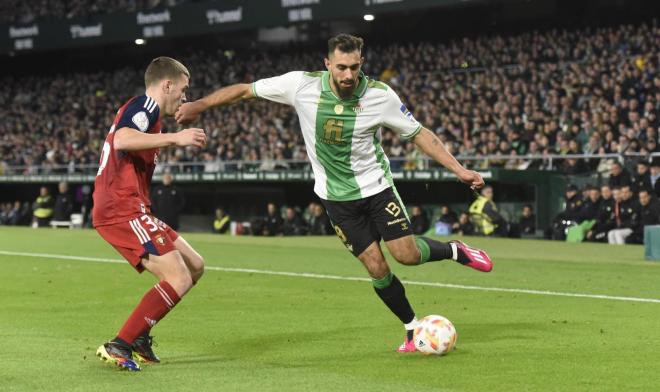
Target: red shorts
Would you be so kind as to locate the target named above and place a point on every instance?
(139, 237)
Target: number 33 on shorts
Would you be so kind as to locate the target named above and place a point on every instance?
(140, 237)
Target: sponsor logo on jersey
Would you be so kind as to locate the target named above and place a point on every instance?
(358, 108)
(407, 113)
(141, 121)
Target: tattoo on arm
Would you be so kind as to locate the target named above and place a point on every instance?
(435, 141)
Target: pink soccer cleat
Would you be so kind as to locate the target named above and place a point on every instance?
(407, 347)
(472, 257)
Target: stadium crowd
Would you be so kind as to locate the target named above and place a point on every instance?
(530, 95)
(616, 212)
(22, 11)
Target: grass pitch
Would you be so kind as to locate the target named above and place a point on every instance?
(241, 330)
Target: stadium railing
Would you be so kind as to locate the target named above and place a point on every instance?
(398, 164)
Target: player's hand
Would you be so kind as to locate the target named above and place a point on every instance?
(471, 178)
(191, 137)
(188, 112)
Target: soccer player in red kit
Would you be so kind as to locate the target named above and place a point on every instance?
(122, 214)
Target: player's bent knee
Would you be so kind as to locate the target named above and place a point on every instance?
(198, 270)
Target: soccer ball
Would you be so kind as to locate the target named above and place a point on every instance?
(435, 335)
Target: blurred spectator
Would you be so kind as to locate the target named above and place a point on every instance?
(465, 227)
(626, 217)
(619, 176)
(527, 221)
(642, 178)
(419, 222)
(63, 203)
(605, 221)
(17, 215)
(447, 216)
(591, 205)
(222, 221)
(5, 209)
(486, 218)
(293, 223)
(655, 177)
(167, 202)
(272, 222)
(649, 214)
(319, 223)
(43, 208)
(567, 218)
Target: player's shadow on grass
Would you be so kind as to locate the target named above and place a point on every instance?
(262, 347)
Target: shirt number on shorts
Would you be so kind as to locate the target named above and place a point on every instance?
(152, 225)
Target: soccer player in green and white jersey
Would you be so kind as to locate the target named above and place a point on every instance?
(341, 112)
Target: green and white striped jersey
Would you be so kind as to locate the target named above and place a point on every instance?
(342, 137)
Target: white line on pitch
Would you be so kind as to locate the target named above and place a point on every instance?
(351, 278)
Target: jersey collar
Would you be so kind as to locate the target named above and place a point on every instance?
(359, 90)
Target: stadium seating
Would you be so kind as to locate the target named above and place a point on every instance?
(553, 92)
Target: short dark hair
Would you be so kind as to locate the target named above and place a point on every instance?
(346, 43)
(164, 68)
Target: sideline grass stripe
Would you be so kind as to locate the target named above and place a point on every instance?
(351, 278)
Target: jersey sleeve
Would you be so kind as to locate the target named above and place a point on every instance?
(140, 114)
(397, 117)
(281, 89)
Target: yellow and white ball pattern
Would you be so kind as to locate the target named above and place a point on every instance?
(435, 335)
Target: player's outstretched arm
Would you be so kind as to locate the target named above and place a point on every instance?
(432, 146)
(129, 139)
(188, 112)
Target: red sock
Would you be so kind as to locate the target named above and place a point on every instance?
(155, 304)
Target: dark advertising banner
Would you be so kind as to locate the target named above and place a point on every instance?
(192, 19)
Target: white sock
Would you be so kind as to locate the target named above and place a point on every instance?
(411, 325)
(454, 251)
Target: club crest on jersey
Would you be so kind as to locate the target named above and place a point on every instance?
(407, 113)
(160, 240)
(339, 109)
(141, 121)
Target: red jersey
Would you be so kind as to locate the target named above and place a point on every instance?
(121, 189)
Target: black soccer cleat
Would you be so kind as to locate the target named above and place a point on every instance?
(118, 354)
(142, 350)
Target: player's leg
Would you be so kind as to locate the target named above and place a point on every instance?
(142, 346)
(194, 261)
(361, 238)
(145, 245)
(412, 250)
(391, 219)
(174, 282)
(391, 291)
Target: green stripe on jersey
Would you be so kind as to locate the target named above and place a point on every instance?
(385, 165)
(335, 123)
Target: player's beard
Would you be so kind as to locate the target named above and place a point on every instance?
(345, 91)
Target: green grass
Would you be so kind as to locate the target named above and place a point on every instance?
(255, 332)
